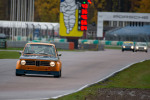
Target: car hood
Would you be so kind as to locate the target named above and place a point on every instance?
(141, 46)
(38, 57)
(127, 45)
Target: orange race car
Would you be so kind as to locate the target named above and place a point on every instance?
(39, 58)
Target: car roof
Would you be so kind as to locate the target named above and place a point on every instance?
(41, 43)
(127, 42)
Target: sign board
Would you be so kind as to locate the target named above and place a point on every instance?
(82, 19)
(117, 16)
(69, 19)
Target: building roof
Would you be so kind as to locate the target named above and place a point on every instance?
(131, 30)
(22, 24)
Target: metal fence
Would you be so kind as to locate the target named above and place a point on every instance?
(21, 44)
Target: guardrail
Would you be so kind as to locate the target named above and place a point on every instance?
(59, 45)
(16, 44)
(96, 47)
(62, 44)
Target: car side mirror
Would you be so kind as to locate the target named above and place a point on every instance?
(20, 52)
(59, 54)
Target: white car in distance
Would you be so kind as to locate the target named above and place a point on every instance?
(141, 46)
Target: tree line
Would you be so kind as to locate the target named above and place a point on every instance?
(48, 10)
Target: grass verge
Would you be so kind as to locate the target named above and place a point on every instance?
(112, 47)
(15, 55)
(135, 77)
(9, 55)
(11, 49)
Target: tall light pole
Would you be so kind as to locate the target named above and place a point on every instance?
(21, 10)
(52, 31)
(46, 31)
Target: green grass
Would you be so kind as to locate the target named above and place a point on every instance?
(11, 49)
(9, 55)
(112, 47)
(136, 76)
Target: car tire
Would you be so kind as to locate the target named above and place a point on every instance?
(59, 75)
(122, 50)
(146, 51)
(18, 74)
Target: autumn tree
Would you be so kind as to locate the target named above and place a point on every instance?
(141, 6)
(47, 10)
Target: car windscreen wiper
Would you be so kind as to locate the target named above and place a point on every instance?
(28, 53)
(44, 53)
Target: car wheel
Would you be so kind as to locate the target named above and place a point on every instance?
(59, 75)
(122, 50)
(146, 51)
(18, 74)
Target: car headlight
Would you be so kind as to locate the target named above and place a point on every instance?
(145, 48)
(124, 47)
(23, 62)
(132, 47)
(52, 64)
(137, 47)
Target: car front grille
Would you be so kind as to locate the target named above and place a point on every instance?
(44, 63)
(128, 46)
(37, 63)
(141, 48)
(30, 62)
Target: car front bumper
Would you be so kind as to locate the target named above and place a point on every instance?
(141, 49)
(128, 49)
(23, 72)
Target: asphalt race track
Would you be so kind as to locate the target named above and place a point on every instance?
(79, 69)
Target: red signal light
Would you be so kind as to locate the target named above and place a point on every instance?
(83, 22)
(85, 6)
(84, 11)
(83, 28)
(89, 1)
(84, 17)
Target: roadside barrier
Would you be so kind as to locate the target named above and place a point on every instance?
(96, 47)
(107, 42)
(71, 46)
(16, 44)
(62, 44)
(3, 43)
(59, 45)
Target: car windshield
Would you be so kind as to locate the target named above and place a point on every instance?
(128, 43)
(40, 49)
